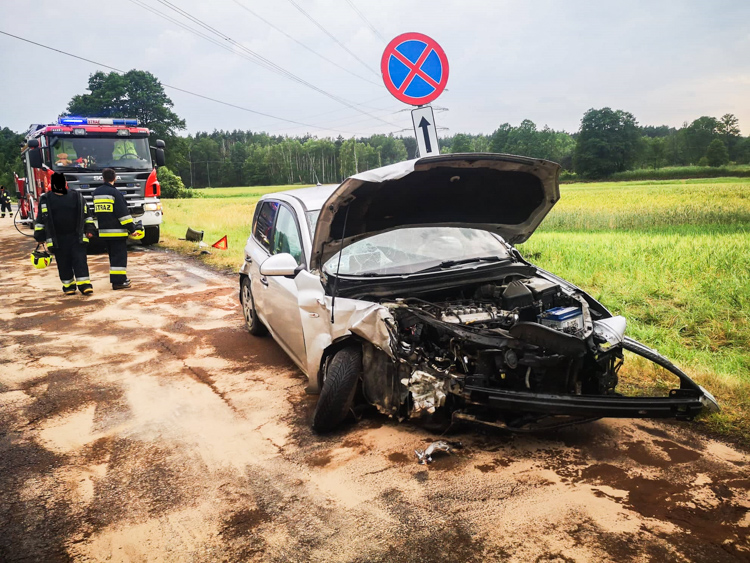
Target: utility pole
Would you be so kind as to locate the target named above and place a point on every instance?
(208, 173)
(190, 156)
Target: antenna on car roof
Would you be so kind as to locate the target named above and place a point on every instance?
(338, 266)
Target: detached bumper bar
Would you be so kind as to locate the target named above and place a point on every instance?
(681, 403)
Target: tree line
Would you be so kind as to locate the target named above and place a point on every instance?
(247, 158)
(608, 141)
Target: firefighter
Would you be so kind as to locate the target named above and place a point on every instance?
(124, 148)
(5, 203)
(115, 224)
(66, 225)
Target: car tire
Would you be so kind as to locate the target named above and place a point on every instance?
(252, 322)
(339, 386)
(151, 236)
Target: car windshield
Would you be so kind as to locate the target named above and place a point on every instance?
(92, 153)
(411, 250)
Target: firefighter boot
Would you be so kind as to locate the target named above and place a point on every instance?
(124, 285)
(69, 287)
(85, 287)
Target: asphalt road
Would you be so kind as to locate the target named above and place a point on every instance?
(147, 425)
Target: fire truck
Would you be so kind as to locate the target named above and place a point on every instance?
(81, 147)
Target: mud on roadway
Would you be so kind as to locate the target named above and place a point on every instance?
(148, 425)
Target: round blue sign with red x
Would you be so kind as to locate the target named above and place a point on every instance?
(415, 68)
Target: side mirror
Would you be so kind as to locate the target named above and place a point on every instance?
(160, 144)
(279, 265)
(33, 143)
(35, 157)
(160, 161)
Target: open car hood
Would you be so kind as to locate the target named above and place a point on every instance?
(503, 194)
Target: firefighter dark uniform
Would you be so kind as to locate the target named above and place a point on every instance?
(115, 224)
(62, 223)
(4, 203)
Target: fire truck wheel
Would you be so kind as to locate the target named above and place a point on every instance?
(151, 237)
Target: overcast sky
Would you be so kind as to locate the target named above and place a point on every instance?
(666, 62)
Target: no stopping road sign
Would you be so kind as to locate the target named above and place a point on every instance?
(415, 68)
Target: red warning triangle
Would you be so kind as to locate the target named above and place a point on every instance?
(221, 244)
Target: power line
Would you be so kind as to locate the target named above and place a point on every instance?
(59, 51)
(329, 34)
(314, 52)
(346, 121)
(182, 25)
(221, 45)
(364, 19)
(173, 87)
(266, 63)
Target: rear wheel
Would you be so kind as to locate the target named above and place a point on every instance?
(253, 324)
(151, 237)
(339, 386)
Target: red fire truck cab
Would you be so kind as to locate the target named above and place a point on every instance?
(81, 147)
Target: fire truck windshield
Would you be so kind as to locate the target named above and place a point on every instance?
(97, 153)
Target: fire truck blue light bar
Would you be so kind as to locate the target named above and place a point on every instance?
(96, 121)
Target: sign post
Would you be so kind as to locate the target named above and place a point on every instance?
(415, 71)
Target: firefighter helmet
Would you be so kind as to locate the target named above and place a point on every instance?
(40, 259)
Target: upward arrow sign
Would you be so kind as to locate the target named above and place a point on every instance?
(424, 125)
(424, 131)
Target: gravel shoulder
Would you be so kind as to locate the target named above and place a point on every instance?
(148, 425)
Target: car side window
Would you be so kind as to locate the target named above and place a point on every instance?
(286, 236)
(264, 223)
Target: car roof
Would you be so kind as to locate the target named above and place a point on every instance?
(312, 199)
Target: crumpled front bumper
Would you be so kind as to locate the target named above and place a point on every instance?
(683, 403)
(680, 404)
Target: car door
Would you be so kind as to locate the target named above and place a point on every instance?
(281, 295)
(257, 250)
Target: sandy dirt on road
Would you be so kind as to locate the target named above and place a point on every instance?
(147, 425)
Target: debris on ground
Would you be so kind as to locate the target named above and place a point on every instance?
(425, 456)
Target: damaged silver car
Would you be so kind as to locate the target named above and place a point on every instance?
(402, 288)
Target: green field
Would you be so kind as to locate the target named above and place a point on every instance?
(217, 212)
(671, 256)
(673, 173)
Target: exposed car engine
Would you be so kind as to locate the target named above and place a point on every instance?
(524, 334)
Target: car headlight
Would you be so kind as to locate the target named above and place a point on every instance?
(152, 206)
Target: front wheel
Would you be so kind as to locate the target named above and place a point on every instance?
(252, 322)
(339, 386)
(151, 237)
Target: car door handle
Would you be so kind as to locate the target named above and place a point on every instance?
(264, 281)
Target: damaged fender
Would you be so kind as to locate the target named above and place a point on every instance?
(365, 319)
